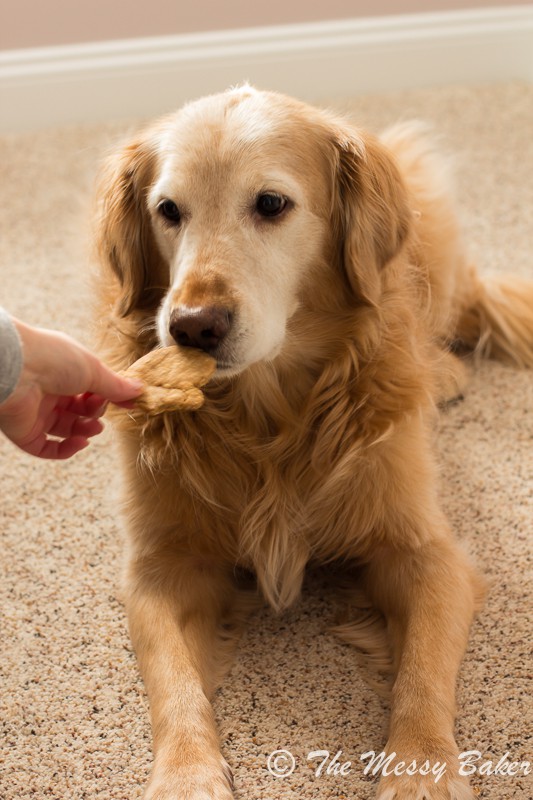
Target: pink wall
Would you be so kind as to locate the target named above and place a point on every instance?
(40, 23)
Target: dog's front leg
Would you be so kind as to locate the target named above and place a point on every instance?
(428, 596)
(174, 605)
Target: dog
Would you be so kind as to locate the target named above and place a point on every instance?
(324, 269)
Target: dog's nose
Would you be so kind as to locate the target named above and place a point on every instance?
(203, 327)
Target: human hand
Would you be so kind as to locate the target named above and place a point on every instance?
(62, 391)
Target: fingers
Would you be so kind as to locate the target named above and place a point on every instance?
(64, 436)
(125, 404)
(55, 449)
(93, 405)
(107, 384)
(64, 433)
(61, 450)
(70, 425)
(69, 447)
(83, 405)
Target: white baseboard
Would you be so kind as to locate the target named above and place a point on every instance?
(106, 81)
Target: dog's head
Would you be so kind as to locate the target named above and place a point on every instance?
(225, 218)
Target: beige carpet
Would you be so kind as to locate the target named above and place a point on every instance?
(72, 708)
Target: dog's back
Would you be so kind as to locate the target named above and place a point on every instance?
(491, 315)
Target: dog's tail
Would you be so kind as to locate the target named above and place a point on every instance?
(496, 319)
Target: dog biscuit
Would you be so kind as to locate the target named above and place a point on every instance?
(172, 377)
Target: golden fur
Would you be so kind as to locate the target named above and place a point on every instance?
(314, 445)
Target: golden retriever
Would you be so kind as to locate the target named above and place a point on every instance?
(324, 271)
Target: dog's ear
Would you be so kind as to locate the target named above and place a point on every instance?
(125, 239)
(371, 211)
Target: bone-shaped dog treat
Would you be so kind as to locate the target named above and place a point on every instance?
(171, 376)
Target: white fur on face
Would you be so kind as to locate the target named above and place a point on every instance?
(214, 174)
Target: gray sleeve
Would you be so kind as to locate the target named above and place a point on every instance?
(10, 356)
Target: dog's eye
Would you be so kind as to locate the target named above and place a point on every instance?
(169, 210)
(270, 204)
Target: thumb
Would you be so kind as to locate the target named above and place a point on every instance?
(111, 386)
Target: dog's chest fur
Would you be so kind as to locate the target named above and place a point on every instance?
(254, 486)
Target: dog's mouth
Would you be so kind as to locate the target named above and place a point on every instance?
(227, 369)
(231, 355)
(232, 359)
(225, 366)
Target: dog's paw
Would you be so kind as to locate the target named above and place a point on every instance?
(208, 781)
(423, 788)
(446, 786)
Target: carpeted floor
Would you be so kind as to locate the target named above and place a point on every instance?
(72, 707)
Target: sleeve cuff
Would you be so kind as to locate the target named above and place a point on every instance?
(10, 356)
